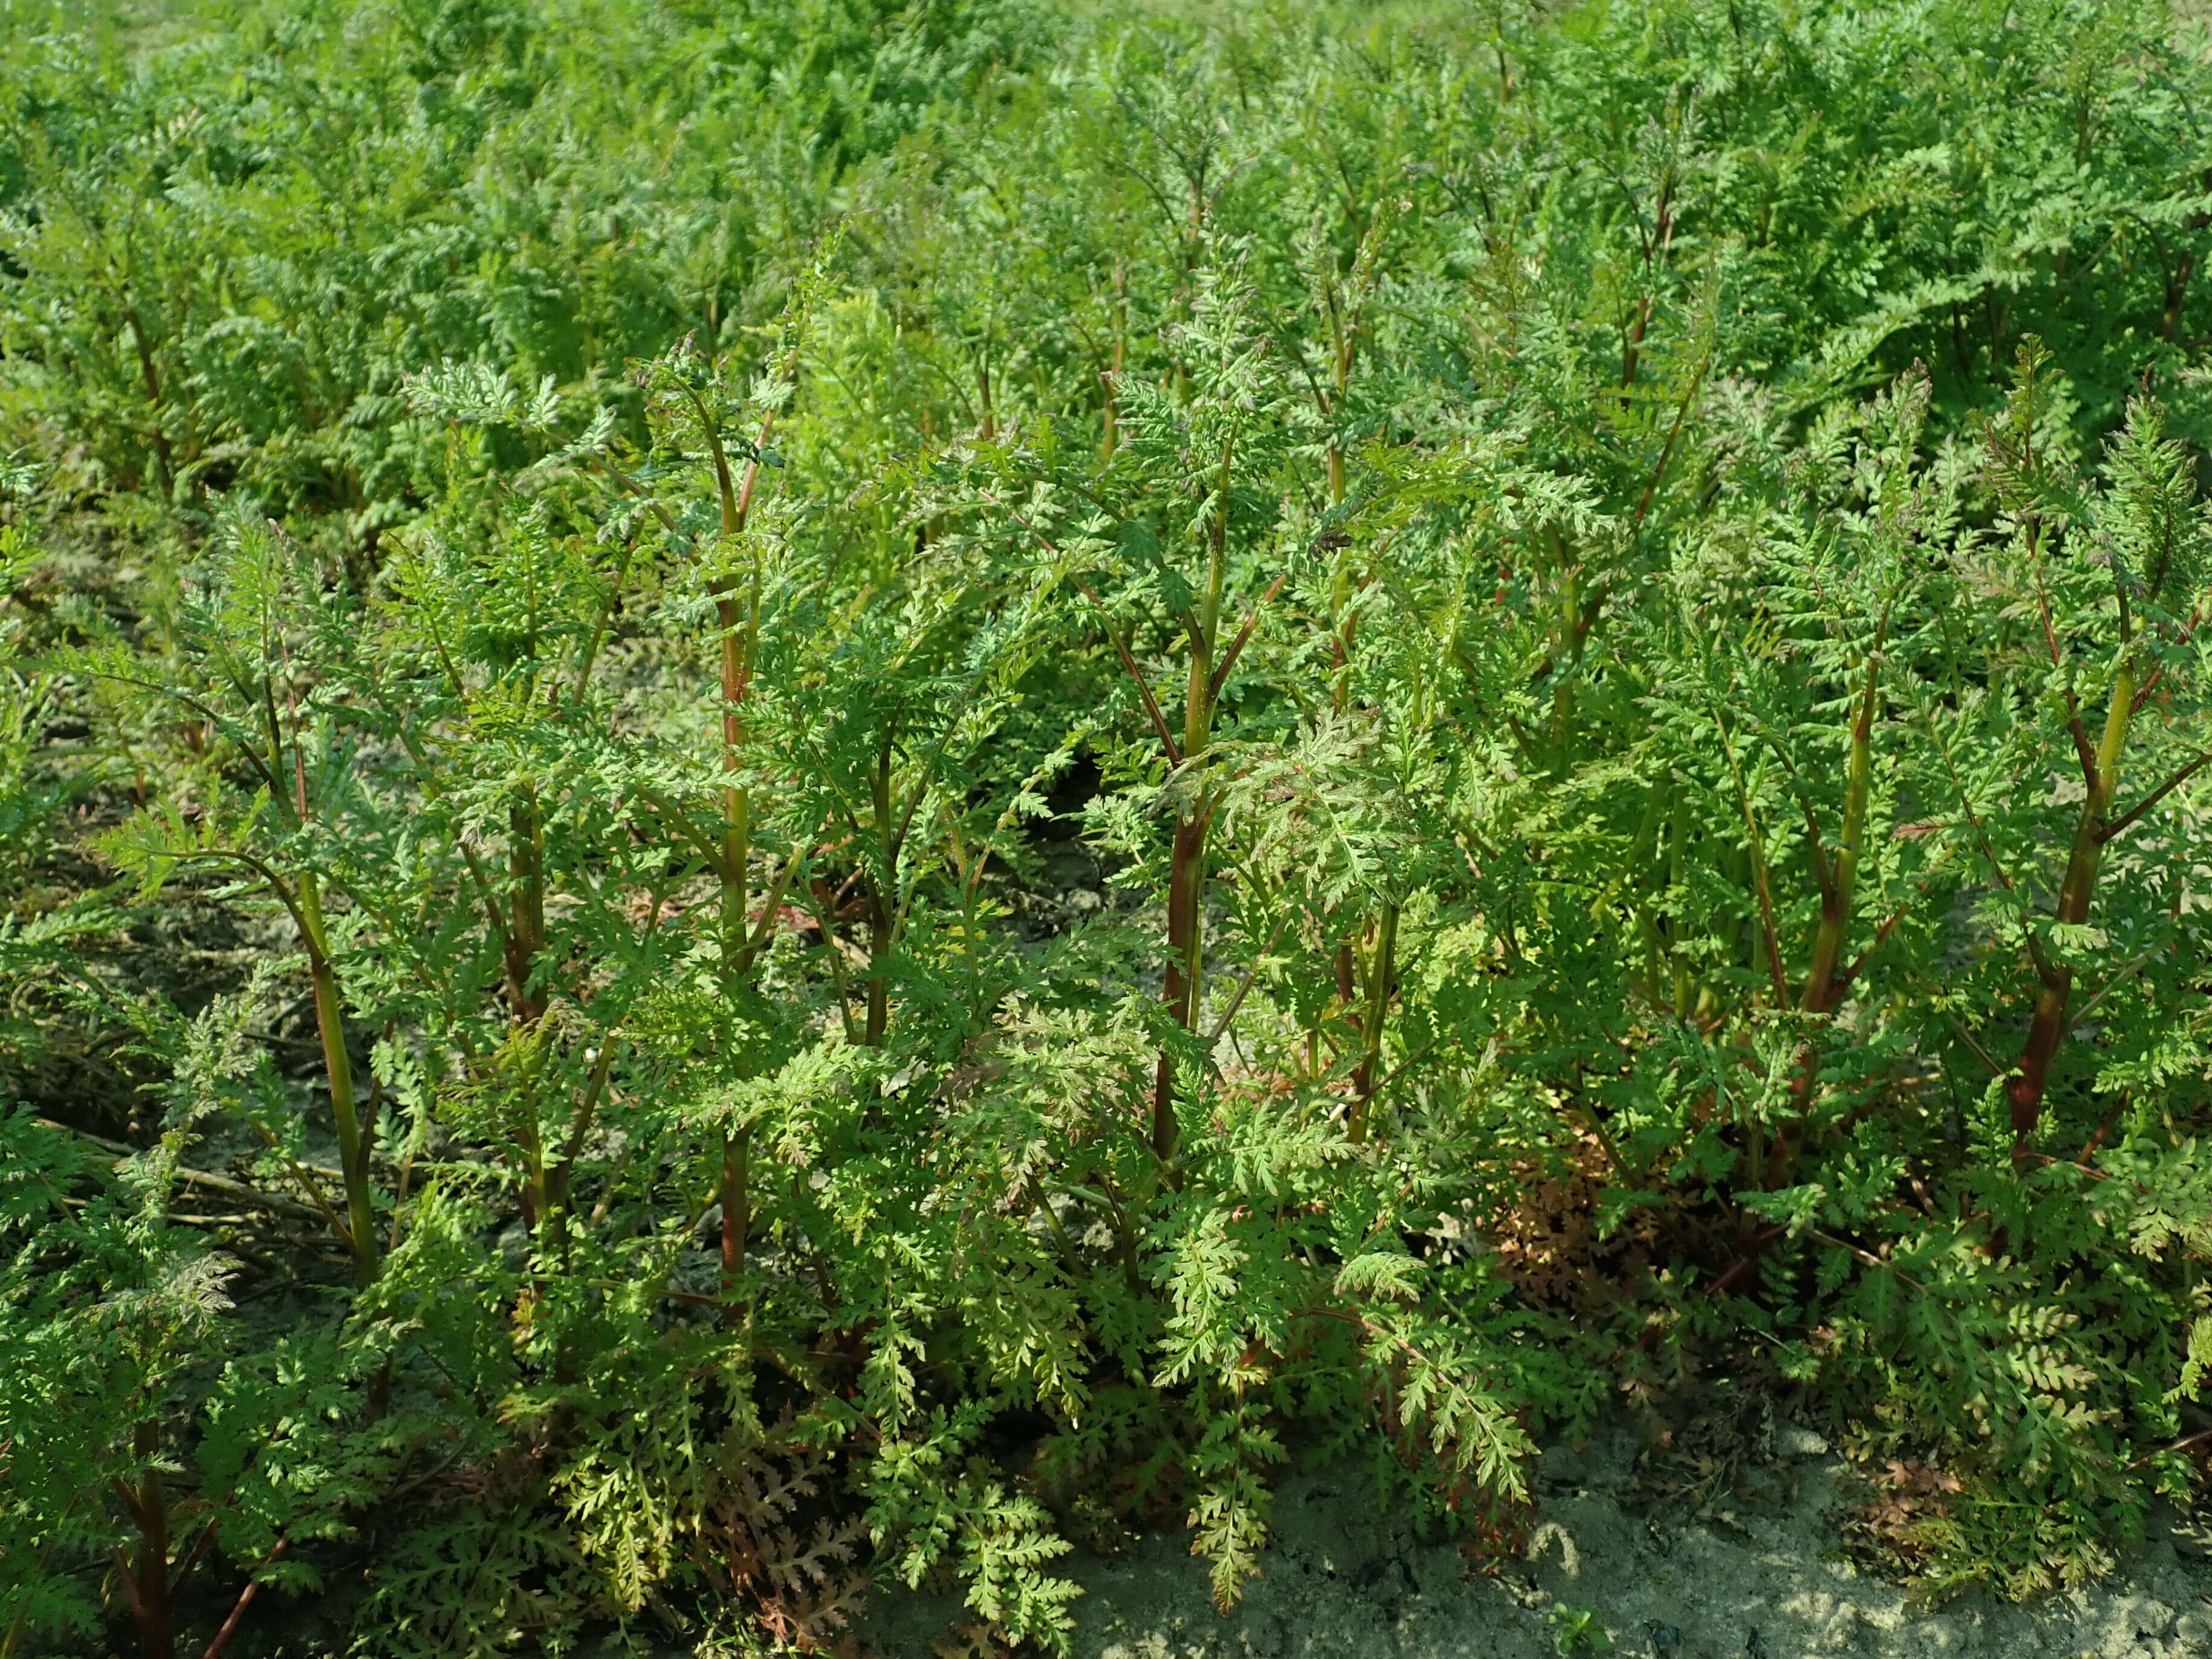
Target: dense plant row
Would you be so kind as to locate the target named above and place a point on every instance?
(804, 788)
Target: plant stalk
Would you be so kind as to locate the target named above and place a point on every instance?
(737, 612)
(881, 921)
(337, 1066)
(1822, 986)
(1382, 970)
(2047, 1028)
(146, 1585)
(1187, 868)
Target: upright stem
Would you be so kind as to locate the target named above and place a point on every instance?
(1382, 970)
(525, 863)
(1187, 868)
(1341, 625)
(338, 1066)
(525, 937)
(737, 853)
(1821, 988)
(151, 379)
(561, 1176)
(983, 391)
(1186, 948)
(737, 1217)
(1839, 885)
(2047, 1029)
(736, 803)
(149, 1575)
(1340, 363)
(738, 611)
(1678, 964)
(1567, 652)
(1114, 378)
(880, 918)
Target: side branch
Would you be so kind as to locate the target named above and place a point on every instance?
(1136, 674)
(1228, 660)
(2128, 817)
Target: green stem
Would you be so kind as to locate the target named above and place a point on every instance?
(525, 863)
(2047, 1028)
(1839, 885)
(1678, 964)
(737, 612)
(1382, 970)
(1186, 961)
(880, 889)
(736, 1218)
(1187, 868)
(1821, 984)
(148, 1590)
(1567, 649)
(337, 1066)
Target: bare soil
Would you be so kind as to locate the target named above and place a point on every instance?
(1769, 1580)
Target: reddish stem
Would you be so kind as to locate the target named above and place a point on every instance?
(238, 1608)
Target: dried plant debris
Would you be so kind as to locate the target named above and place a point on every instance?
(763, 1545)
(1712, 1456)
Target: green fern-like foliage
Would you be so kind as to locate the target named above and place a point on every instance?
(805, 794)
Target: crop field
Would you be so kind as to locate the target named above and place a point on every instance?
(813, 800)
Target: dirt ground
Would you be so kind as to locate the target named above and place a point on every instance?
(1344, 1581)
